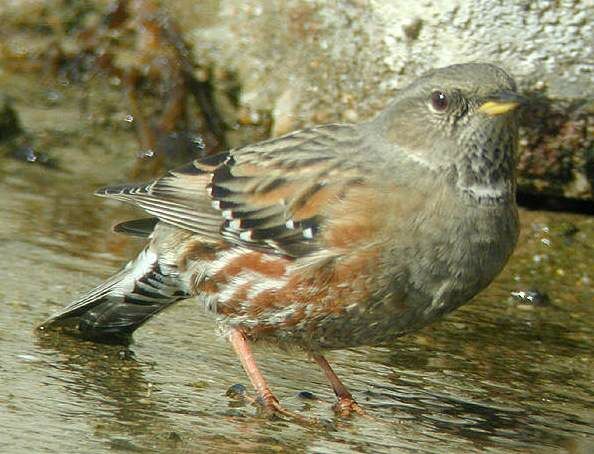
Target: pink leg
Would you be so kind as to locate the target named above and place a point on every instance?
(346, 405)
(242, 348)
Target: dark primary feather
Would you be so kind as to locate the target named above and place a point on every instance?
(137, 227)
(269, 196)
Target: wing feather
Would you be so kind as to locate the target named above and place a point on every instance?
(271, 196)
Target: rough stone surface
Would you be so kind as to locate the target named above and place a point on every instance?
(322, 47)
(280, 65)
(312, 61)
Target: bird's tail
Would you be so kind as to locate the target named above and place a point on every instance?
(112, 311)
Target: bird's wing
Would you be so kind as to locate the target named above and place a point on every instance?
(273, 196)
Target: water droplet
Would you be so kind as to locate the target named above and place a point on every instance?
(146, 154)
(546, 242)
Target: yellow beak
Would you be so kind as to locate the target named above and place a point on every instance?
(494, 108)
(501, 103)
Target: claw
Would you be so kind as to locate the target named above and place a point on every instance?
(271, 408)
(346, 407)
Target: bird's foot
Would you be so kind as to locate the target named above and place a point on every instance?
(347, 406)
(270, 406)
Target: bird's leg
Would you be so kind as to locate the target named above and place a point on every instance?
(242, 348)
(346, 405)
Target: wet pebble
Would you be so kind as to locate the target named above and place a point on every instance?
(307, 395)
(29, 154)
(534, 298)
(236, 391)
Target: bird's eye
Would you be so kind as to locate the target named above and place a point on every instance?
(439, 101)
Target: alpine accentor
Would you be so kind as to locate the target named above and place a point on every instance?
(334, 236)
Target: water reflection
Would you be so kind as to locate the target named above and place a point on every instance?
(108, 380)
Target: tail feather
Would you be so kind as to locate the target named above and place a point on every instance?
(118, 306)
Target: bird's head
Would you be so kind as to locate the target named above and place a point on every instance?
(461, 115)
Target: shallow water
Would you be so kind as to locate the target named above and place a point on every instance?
(499, 375)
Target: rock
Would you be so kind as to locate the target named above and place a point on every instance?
(301, 62)
(305, 60)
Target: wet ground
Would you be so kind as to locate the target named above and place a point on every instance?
(511, 372)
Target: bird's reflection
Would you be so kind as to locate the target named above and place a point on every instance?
(109, 382)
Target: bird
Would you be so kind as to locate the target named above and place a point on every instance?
(330, 237)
